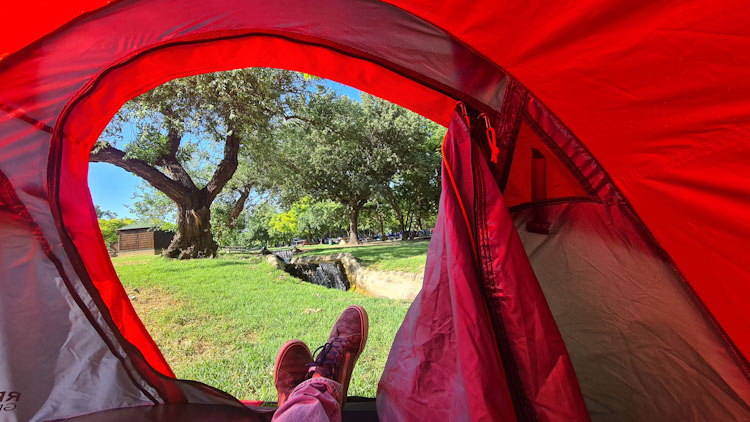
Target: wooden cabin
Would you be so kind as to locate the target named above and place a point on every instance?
(143, 239)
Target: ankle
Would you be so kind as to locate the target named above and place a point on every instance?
(322, 384)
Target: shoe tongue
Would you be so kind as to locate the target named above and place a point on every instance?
(318, 371)
(312, 372)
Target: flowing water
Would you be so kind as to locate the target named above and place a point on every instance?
(286, 255)
(328, 274)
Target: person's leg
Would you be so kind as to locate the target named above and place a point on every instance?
(315, 399)
(322, 395)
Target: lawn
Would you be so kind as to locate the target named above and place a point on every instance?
(384, 256)
(221, 321)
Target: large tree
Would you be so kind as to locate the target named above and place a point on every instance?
(322, 219)
(411, 183)
(208, 116)
(414, 191)
(346, 151)
(331, 157)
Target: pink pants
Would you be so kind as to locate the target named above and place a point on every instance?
(315, 400)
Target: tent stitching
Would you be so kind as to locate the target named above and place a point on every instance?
(18, 114)
(466, 120)
(521, 402)
(15, 204)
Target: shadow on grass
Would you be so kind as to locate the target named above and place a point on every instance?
(208, 264)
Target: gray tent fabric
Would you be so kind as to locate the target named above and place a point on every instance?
(52, 356)
(641, 349)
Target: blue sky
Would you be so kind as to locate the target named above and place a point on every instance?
(112, 188)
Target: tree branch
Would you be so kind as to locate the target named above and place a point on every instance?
(175, 137)
(226, 168)
(309, 122)
(391, 198)
(239, 205)
(103, 152)
(173, 168)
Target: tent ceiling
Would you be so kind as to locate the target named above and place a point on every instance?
(657, 91)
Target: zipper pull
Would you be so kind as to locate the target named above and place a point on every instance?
(491, 138)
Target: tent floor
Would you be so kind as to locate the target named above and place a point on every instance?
(356, 409)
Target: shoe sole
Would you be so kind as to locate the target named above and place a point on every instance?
(279, 356)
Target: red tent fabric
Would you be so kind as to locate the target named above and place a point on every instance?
(477, 264)
(617, 125)
(671, 80)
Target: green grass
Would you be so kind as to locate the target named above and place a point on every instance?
(386, 256)
(221, 321)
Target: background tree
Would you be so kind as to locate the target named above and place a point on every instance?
(414, 192)
(341, 150)
(284, 225)
(183, 116)
(153, 207)
(257, 225)
(412, 188)
(100, 213)
(322, 219)
(109, 227)
(379, 217)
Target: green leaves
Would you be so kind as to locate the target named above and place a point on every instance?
(284, 225)
(150, 146)
(109, 228)
(202, 110)
(321, 218)
(344, 151)
(324, 157)
(154, 207)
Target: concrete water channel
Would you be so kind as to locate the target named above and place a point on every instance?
(329, 274)
(343, 272)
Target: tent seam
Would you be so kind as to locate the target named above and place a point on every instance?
(18, 114)
(512, 373)
(21, 211)
(14, 56)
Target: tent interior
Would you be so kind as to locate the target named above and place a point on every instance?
(629, 197)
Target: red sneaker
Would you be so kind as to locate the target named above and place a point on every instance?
(292, 363)
(336, 359)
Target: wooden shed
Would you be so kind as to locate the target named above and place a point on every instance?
(143, 238)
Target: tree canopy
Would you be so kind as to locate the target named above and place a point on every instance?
(346, 151)
(185, 125)
(261, 155)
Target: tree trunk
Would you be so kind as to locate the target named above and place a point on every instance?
(353, 225)
(397, 209)
(194, 238)
(409, 222)
(380, 223)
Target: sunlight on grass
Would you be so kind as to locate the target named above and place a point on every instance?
(384, 256)
(221, 321)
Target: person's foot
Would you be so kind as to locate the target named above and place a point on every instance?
(292, 363)
(336, 359)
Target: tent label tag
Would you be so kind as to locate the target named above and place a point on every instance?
(9, 400)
